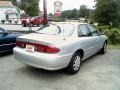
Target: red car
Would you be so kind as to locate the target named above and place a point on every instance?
(34, 21)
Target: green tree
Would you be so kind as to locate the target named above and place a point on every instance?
(117, 21)
(83, 11)
(66, 14)
(74, 13)
(14, 2)
(106, 12)
(31, 7)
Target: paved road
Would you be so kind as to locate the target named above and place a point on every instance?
(17, 27)
(100, 72)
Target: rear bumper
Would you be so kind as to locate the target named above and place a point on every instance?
(41, 60)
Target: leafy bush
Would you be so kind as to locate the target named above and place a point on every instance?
(113, 35)
(103, 28)
(92, 22)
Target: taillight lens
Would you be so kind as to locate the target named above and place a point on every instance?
(50, 49)
(47, 49)
(40, 48)
(20, 44)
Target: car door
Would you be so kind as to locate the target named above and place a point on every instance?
(6, 43)
(87, 40)
(95, 35)
(2, 32)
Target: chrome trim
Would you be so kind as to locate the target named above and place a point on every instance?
(8, 44)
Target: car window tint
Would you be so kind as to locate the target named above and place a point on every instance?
(84, 30)
(51, 29)
(93, 30)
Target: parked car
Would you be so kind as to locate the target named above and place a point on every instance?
(7, 40)
(58, 46)
(34, 21)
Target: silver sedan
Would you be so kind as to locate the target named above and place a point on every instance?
(60, 45)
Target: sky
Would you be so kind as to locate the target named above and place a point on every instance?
(67, 4)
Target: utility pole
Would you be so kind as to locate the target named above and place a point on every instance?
(45, 12)
(28, 4)
(30, 27)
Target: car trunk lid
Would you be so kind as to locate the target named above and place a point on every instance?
(41, 38)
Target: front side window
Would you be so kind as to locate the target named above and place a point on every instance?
(83, 31)
(93, 30)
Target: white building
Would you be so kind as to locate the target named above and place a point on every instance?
(9, 12)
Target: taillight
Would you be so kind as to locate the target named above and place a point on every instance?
(50, 49)
(46, 49)
(38, 47)
(20, 44)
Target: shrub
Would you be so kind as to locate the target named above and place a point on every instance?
(113, 35)
(91, 22)
(103, 28)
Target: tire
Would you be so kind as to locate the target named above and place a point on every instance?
(24, 25)
(74, 64)
(103, 50)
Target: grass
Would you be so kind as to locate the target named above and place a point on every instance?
(110, 46)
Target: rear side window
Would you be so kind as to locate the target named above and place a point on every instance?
(83, 31)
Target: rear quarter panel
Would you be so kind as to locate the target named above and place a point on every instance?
(71, 44)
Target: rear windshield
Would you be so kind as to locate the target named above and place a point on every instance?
(65, 29)
(50, 29)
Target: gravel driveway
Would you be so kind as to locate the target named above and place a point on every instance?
(100, 72)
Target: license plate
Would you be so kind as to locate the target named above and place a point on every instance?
(30, 48)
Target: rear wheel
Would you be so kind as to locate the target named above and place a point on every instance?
(74, 64)
(103, 50)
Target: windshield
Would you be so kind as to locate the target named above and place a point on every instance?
(64, 29)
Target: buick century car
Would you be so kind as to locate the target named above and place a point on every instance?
(61, 45)
(7, 40)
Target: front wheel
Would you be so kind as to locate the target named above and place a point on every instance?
(24, 25)
(74, 64)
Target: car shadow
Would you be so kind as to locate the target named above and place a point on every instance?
(40, 74)
(90, 58)
(37, 74)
